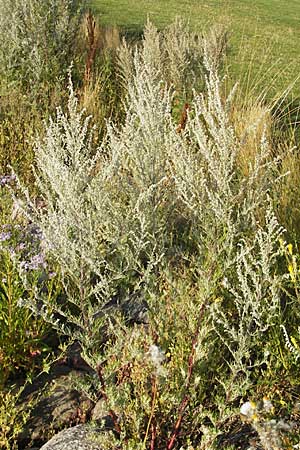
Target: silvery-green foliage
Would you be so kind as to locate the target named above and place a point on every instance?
(222, 205)
(141, 147)
(183, 52)
(64, 162)
(219, 202)
(176, 53)
(99, 220)
(110, 213)
(204, 167)
(253, 294)
(215, 44)
(292, 347)
(37, 38)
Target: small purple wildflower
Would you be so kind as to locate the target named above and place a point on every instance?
(5, 236)
(7, 179)
(11, 251)
(6, 226)
(36, 262)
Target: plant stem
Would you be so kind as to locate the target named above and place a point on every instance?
(154, 395)
(112, 414)
(184, 402)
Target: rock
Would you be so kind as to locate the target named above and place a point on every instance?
(133, 307)
(135, 310)
(81, 437)
(99, 411)
(57, 405)
(74, 359)
(100, 415)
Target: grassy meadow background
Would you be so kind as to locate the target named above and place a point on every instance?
(264, 34)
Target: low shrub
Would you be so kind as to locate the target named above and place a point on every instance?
(37, 42)
(169, 249)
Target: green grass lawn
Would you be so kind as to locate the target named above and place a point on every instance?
(265, 34)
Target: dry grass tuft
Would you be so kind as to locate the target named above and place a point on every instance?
(252, 124)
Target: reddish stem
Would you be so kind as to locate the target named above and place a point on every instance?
(92, 42)
(153, 436)
(184, 402)
(177, 426)
(183, 118)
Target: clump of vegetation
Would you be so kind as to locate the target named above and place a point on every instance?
(12, 417)
(173, 271)
(38, 41)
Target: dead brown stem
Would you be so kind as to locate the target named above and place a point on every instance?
(92, 41)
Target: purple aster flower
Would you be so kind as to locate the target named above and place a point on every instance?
(5, 236)
(36, 262)
(11, 251)
(6, 226)
(7, 179)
